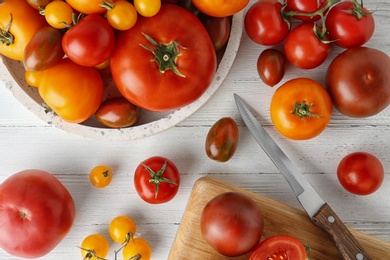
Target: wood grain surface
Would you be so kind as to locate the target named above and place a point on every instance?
(278, 219)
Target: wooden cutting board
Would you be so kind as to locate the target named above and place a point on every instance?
(278, 219)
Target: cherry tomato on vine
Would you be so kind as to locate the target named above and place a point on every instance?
(279, 247)
(19, 21)
(94, 247)
(300, 109)
(308, 7)
(122, 229)
(349, 24)
(100, 176)
(137, 248)
(271, 66)
(360, 173)
(157, 180)
(303, 47)
(147, 8)
(58, 14)
(232, 223)
(121, 15)
(264, 23)
(89, 42)
(222, 140)
(220, 8)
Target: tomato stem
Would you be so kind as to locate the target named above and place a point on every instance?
(6, 36)
(156, 177)
(129, 237)
(109, 5)
(303, 110)
(91, 254)
(164, 54)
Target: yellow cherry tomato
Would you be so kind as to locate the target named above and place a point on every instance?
(100, 176)
(121, 15)
(58, 14)
(33, 78)
(122, 229)
(137, 248)
(94, 247)
(147, 8)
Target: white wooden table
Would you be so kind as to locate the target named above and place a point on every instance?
(28, 142)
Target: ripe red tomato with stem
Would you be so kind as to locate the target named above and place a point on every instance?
(174, 78)
(232, 223)
(306, 47)
(279, 247)
(37, 212)
(305, 10)
(349, 24)
(90, 41)
(360, 173)
(271, 66)
(157, 180)
(264, 23)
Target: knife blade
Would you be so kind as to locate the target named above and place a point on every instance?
(318, 210)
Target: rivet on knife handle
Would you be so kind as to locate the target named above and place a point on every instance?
(346, 243)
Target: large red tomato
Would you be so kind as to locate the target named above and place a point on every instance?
(358, 81)
(36, 213)
(164, 62)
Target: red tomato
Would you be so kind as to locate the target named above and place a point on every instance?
(118, 113)
(220, 8)
(349, 24)
(36, 213)
(360, 173)
(300, 109)
(279, 247)
(44, 49)
(232, 223)
(89, 42)
(157, 180)
(304, 49)
(222, 140)
(72, 91)
(271, 66)
(264, 23)
(218, 29)
(358, 82)
(305, 7)
(16, 30)
(183, 60)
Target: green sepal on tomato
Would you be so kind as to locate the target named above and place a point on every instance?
(222, 140)
(300, 109)
(157, 180)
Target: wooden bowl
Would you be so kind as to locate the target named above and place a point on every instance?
(150, 123)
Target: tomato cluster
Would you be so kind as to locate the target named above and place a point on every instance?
(70, 49)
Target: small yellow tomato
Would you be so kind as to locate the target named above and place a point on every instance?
(94, 247)
(147, 8)
(58, 14)
(121, 15)
(100, 176)
(122, 229)
(137, 248)
(33, 78)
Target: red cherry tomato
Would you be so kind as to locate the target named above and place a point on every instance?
(304, 49)
(304, 7)
(279, 247)
(89, 42)
(232, 223)
(271, 66)
(264, 23)
(36, 212)
(349, 24)
(157, 180)
(218, 29)
(360, 173)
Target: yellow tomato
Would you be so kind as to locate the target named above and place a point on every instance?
(220, 8)
(19, 21)
(138, 248)
(88, 6)
(122, 229)
(121, 15)
(58, 14)
(33, 78)
(94, 247)
(100, 176)
(147, 8)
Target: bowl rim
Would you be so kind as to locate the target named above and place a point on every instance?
(167, 121)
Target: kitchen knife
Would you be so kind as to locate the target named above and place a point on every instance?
(320, 212)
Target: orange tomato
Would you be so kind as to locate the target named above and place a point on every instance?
(122, 229)
(137, 248)
(88, 6)
(33, 78)
(19, 21)
(72, 91)
(301, 109)
(220, 8)
(100, 176)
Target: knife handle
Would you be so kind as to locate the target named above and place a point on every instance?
(343, 239)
